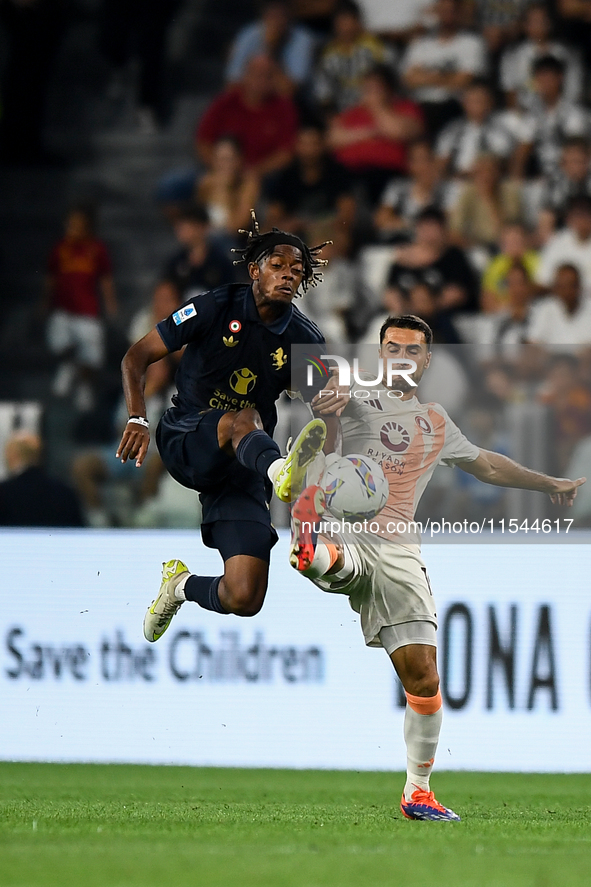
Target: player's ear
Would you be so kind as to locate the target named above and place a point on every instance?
(254, 271)
(428, 361)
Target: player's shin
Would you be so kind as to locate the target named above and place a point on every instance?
(259, 452)
(203, 590)
(422, 725)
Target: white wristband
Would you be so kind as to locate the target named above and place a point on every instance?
(139, 420)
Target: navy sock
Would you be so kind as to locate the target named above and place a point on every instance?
(257, 451)
(203, 590)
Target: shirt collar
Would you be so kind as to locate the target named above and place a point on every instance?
(278, 326)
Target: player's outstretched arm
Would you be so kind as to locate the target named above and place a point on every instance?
(136, 437)
(494, 468)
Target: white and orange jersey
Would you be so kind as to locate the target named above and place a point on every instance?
(408, 439)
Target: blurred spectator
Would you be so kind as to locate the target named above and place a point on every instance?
(497, 20)
(371, 138)
(227, 190)
(346, 59)
(397, 21)
(569, 400)
(431, 278)
(30, 497)
(275, 34)
(510, 325)
(542, 132)
(263, 122)
(564, 318)
(575, 25)
(79, 285)
(341, 293)
(573, 179)
(312, 189)
(404, 198)
(478, 131)
(138, 28)
(437, 67)
(517, 63)
(572, 244)
(33, 30)
(514, 251)
(98, 475)
(166, 298)
(485, 204)
(200, 265)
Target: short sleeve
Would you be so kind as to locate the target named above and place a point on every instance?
(472, 57)
(446, 141)
(190, 323)
(457, 447)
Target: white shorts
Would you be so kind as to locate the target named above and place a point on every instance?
(389, 586)
(84, 335)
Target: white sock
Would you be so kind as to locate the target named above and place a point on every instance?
(274, 468)
(321, 563)
(348, 568)
(179, 591)
(421, 734)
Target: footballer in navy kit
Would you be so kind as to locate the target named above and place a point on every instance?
(217, 437)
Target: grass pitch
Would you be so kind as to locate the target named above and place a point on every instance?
(121, 826)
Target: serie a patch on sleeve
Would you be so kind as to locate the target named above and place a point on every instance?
(184, 313)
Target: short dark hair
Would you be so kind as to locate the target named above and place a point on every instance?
(548, 63)
(577, 142)
(578, 203)
(384, 73)
(568, 266)
(431, 214)
(195, 212)
(407, 322)
(84, 208)
(348, 7)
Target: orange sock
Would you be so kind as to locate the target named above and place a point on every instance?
(425, 705)
(332, 553)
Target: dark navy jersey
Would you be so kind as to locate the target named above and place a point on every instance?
(233, 360)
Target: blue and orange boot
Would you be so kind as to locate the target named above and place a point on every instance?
(422, 805)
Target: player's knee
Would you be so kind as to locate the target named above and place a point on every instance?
(244, 421)
(422, 682)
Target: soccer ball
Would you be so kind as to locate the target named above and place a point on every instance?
(355, 487)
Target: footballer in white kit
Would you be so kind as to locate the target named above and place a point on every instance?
(382, 571)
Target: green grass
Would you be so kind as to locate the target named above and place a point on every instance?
(120, 826)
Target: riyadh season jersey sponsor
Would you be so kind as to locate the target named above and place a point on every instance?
(408, 439)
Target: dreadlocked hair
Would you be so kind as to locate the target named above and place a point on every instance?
(260, 246)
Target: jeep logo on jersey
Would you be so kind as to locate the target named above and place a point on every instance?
(184, 313)
(395, 437)
(242, 381)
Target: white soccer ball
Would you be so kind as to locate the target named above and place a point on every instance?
(355, 487)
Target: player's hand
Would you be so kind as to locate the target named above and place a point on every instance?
(134, 444)
(565, 490)
(333, 399)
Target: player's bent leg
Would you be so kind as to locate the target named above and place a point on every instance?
(244, 584)
(416, 665)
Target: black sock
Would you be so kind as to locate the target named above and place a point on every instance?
(257, 451)
(203, 590)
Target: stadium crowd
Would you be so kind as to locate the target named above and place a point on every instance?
(445, 148)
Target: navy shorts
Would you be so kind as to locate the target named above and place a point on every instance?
(235, 500)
